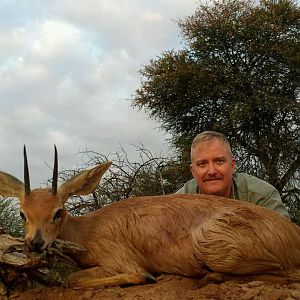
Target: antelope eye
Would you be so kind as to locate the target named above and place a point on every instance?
(22, 216)
(58, 214)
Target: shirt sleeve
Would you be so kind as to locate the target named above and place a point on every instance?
(273, 201)
(189, 187)
(181, 191)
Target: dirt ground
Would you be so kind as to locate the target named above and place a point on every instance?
(171, 287)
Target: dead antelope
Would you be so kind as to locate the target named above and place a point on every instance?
(189, 235)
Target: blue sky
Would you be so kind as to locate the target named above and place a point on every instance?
(67, 72)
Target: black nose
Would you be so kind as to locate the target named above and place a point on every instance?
(37, 242)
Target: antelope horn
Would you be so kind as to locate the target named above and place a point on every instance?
(26, 173)
(55, 173)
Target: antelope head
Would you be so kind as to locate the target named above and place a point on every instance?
(42, 210)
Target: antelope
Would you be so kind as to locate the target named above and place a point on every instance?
(131, 241)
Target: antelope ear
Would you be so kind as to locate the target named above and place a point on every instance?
(10, 186)
(84, 182)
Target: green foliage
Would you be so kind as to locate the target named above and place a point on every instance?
(10, 220)
(238, 74)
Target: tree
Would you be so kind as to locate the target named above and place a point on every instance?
(10, 219)
(238, 74)
(148, 174)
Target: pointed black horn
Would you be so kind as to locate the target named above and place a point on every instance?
(55, 173)
(26, 173)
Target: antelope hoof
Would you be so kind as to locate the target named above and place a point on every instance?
(149, 278)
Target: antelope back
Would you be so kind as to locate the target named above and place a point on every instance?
(42, 210)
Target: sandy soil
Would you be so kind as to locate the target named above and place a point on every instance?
(171, 287)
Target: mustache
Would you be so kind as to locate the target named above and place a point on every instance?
(213, 178)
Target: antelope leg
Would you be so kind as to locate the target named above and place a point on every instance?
(90, 278)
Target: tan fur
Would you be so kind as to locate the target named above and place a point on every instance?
(183, 233)
(189, 235)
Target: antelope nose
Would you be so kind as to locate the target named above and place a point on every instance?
(37, 242)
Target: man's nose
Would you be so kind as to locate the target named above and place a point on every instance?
(211, 169)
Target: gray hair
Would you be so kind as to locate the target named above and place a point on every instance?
(209, 136)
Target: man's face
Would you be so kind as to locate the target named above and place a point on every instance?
(212, 167)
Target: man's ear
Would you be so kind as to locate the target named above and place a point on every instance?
(191, 169)
(233, 162)
(84, 182)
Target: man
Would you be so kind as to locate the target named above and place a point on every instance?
(212, 166)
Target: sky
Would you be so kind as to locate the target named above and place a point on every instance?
(68, 70)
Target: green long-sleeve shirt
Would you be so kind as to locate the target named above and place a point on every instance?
(247, 188)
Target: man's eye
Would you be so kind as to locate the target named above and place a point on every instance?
(201, 163)
(220, 161)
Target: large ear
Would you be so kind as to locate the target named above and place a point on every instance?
(10, 186)
(84, 182)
